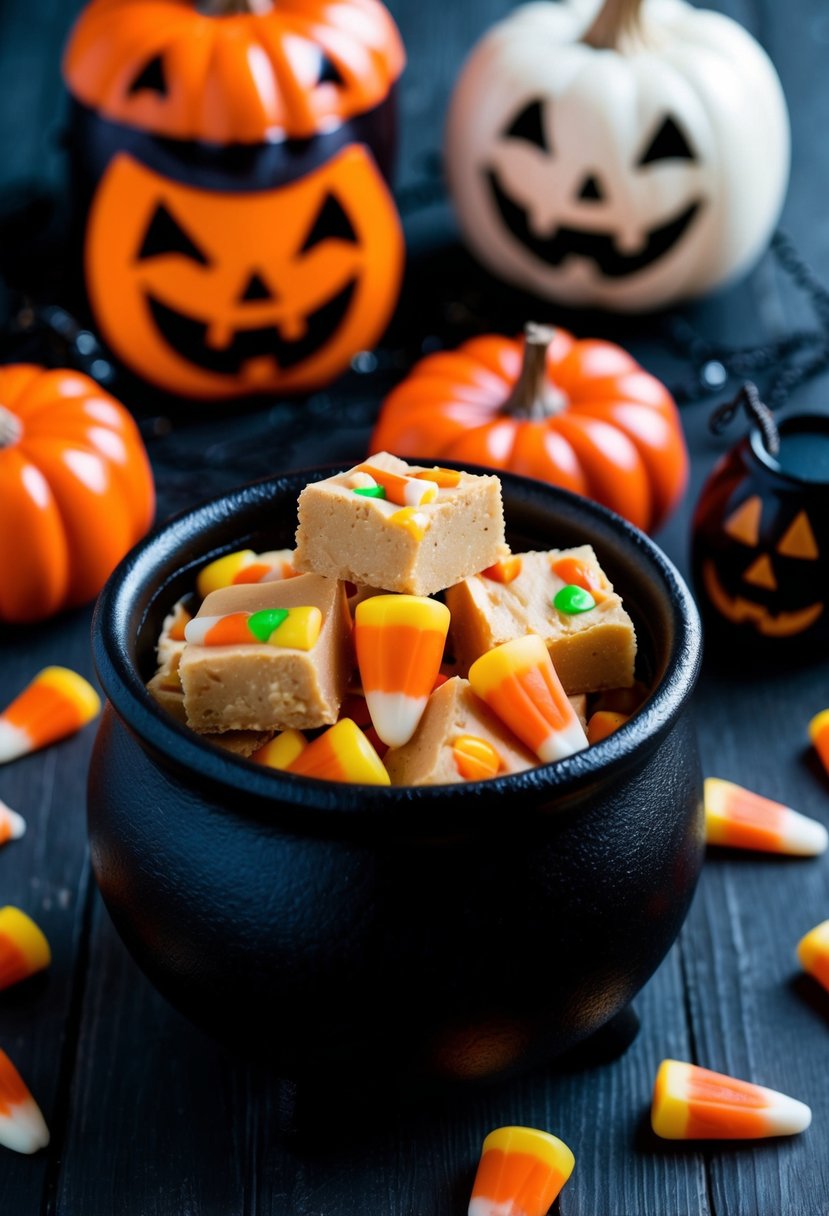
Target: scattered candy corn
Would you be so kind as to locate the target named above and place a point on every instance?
(475, 759)
(576, 573)
(22, 1126)
(743, 820)
(415, 522)
(819, 734)
(603, 723)
(691, 1103)
(244, 566)
(505, 571)
(23, 948)
(405, 491)
(343, 753)
(399, 641)
(57, 703)
(282, 750)
(444, 479)
(12, 825)
(519, 683)
(813, 952)
(180, 616)
(296, 628)
(521, 1172)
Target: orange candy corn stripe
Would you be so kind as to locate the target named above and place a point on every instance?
(505, 571)
(475, 759)
(231, 630)
(519, 683)
(692, 1103)
(399, 641)
(57, 703)
(813, 953)
(819, 735)
(603, 723)
(445, 479)
(343, 753)
(12, 825)
(521, 1173)
(22, 1126)
(23, 948)
(404, 491)
(741, 819)
(576, 573)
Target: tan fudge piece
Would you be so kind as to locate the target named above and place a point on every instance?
(452, 710)
(261, 687)
(165, 689)
(590, 650)
(169, 649)
(346, 536)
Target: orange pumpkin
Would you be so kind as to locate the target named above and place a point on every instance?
(76, 491)
(230, 71)
(581, 414)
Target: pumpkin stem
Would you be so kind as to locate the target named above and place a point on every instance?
(533, 395)
(11, 428)
(758, 412)
(615, 20)
(230, 8)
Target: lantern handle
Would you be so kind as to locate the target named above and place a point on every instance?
(759, 413)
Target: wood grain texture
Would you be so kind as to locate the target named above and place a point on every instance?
(151, 1119)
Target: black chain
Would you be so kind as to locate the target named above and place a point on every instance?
(759, 413)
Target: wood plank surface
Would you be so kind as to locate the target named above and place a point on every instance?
(151, 1119)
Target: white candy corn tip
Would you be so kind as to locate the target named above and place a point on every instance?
(24, 1130)
(13, 742)
(395, 715)
(196, 630)
(786, 1116)
(803, 836)
(15, 823)
(486, 1207)
(562, 743)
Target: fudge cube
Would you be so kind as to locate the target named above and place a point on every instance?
(591, 649)
(165, 689)
(262, 686)
(400, 527)
(452, 713)
(171, 639)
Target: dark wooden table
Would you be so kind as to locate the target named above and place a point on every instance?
(149, 1118)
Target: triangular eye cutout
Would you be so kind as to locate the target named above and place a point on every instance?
(164, 235)
(329, 72)
(529, 125)
(799, 540)
(744, 524)
(331, 224)
(255, 289)
(667, 144)
(591, 191)
(151, 78)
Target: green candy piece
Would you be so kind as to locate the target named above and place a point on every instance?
(572, 600)
(262, 624)
(370, 491)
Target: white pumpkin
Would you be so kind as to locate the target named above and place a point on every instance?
(624, 160)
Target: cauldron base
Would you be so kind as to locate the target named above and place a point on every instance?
(316, 1112)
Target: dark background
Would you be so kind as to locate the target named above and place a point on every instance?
(149, 1118)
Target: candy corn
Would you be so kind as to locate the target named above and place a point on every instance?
(743, 820)
(23, 948)
(343, 753)
(603, 723)
(504, 571)
(57, 703)
(519, 683)
(521, 1173)
(281, 751)
(405, 491)
(399, 641)
(22, 1126)
(475, 759)
(244, 566)
(813, 952)
(576, 573)
(691, 1103)
(296, 628)
(445, 479)
(12, 825)
(819, 734)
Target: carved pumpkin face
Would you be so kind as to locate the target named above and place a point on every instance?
(763, 586)
(620, 178)
(218, 294)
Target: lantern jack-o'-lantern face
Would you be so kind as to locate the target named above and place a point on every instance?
(748, 584)
(220, 294)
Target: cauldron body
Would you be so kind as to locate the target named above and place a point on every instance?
(443, 933)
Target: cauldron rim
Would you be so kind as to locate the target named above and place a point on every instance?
(326, 806)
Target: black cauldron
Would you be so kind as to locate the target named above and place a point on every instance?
(453, 932)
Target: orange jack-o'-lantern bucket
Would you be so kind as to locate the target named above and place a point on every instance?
(231, 163)
(761, 538)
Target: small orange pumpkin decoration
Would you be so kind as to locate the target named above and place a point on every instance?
(76, 491)
(581, 414)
